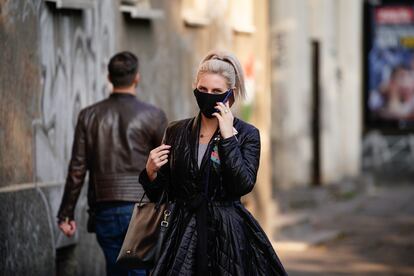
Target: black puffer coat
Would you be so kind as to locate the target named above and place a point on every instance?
(210, 232)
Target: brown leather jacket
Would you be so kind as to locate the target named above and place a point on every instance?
(112, 141)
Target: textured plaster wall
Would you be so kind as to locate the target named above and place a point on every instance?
(336, 25)
(19, 89)
(291, 93)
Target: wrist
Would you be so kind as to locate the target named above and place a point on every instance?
(226, 135)
(62, 220)
(152, 176)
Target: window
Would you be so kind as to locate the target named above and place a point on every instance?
(140, 9)
(73, 4)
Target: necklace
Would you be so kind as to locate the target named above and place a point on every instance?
(207, 132)
(202, 135)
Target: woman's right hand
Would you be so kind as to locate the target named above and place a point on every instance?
(157, 158)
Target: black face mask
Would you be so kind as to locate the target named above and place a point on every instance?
(206, 101)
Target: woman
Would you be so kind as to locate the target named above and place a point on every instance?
(212, 161)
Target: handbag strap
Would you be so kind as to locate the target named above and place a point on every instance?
(140, 201)
(158, 204)
(165, 189)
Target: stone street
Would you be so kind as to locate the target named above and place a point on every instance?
(368, 231)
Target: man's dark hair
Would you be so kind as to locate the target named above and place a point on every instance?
(122, 69)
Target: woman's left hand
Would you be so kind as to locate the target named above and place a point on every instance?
(225, 119)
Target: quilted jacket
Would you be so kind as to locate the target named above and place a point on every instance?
(210, 231)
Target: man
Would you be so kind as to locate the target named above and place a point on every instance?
(112, 141)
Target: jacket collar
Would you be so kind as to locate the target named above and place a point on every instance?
(121, 95)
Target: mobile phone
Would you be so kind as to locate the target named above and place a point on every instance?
(228, 96)
(226, 99)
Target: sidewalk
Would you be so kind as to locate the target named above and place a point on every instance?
(347, 229)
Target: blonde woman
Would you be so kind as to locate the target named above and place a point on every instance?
(206, 164)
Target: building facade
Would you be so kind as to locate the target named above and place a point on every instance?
(316, 53)
(53, 63)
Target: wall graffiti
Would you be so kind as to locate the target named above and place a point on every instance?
(68, 53)
(382, 153)
(21, 10)
(74, 50)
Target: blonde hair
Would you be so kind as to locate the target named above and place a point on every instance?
(226, 65)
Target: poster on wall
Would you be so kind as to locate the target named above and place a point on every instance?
(389, 99)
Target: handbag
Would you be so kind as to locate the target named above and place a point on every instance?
(144, 238)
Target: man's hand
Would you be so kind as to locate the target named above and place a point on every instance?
(68, 227)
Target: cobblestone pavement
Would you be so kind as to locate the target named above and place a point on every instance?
(371, 232)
